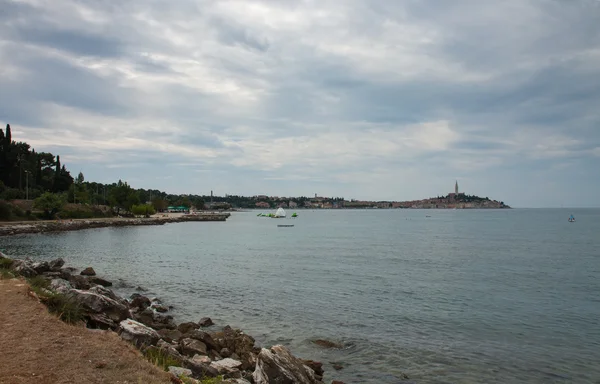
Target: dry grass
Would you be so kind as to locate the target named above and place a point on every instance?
(36, 347)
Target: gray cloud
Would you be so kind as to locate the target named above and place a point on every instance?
(286, 95)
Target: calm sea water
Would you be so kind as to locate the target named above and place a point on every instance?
(507, 296)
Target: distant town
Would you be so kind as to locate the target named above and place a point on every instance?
(453, 200)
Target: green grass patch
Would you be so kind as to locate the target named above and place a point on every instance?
(160, 358)
(38, 282)
(65, 307)
(7, 273)
(5, 263)
(212, 380)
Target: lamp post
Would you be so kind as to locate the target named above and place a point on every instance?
(26, 185)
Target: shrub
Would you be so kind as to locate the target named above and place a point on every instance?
(38, 282)
(5, 210)
(65, 307)
(5, 263)
(160, 358)
(50, 203)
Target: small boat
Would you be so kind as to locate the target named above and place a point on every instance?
(294, 214)
(571, 219)
(285, 225)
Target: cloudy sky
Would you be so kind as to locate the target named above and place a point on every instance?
(362, 99)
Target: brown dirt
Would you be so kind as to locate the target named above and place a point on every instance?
(36, 347)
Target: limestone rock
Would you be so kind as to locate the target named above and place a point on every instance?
(316, 366)
(178, 372)
(98, 303)
(170, 335)
(191, 347)
(100, 321)
(159, 307)
(186, 327)
(225, 352)
(78, 281)
(155, 320)
(201, 359)
(66, 272)
(100, 281)
(89, 271)
(23, 268)
(328, 344)
(226, 366)
(52, 275)
(171, 351)
(60, 286)
(137, 333)
(204, 337)
(205, 322)
(239, 343)
(139, 302)
(41, 267)
(200, 370)
(56, 264)
(278, 365)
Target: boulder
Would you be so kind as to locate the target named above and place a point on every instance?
(200, 370)
(60, 286)
(191, 347)
(137, 333)
(178, 372)
(170, 335)
(155, 320)
(52, 275)
(66, 272)
(40, 267)
(89, 271)
(159, 307)
(204, 337)
(56, 264)
(201, 359)
(79, 282)
(205, 322)
(328, 344)
(99, 303)
(239, 343)
(225, 352)
(100, 321)
(171, 351)
(23, 268)
(109, 293)
(3, 256)
(315, 366)
(139, 302)
(278, 365)
(226, 366)
(187, 327)
(100, 281)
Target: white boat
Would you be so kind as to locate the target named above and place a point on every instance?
(280, 213)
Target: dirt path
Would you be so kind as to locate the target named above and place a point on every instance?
(36, 347)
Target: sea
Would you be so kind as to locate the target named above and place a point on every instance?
(438, 296)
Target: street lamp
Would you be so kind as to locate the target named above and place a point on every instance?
(26, 185)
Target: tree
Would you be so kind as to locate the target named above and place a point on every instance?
(160, 204)
(50, 203)
(123, 196)
(143, 209)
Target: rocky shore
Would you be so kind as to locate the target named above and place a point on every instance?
(190, 351)
(23, 227)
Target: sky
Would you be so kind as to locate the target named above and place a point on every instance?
(374, 100)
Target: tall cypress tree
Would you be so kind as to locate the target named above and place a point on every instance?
(57, 174)
(8, 134)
